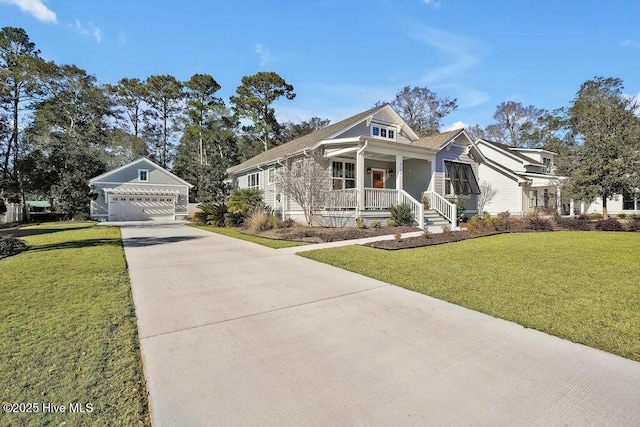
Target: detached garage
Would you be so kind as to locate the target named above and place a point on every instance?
(139, 191)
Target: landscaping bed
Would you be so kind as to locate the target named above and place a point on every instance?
(327, 234)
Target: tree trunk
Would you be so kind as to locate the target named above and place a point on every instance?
(605, 215)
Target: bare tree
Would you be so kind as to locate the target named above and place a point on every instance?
(487, 193)
(306, 180)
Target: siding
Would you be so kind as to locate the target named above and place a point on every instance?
(501, 158)
(358, 130)
(455, 154)
(509, 194)
(416, 177)
(390, 181)
(130, 175)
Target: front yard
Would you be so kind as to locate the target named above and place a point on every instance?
(582, 286)
(68, 334)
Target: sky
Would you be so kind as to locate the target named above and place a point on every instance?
(342, 56)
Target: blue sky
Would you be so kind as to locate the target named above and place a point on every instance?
(342, 56)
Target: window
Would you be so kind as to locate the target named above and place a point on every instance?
(253, 180)
(547, 165)
(344, 175)
(143, 175)
(381, 131)
(459, 179)
(271, 175)
(630, 201)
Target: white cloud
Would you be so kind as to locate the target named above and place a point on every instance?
(36, 8)
(454, 126)
(630, 43)
(433, 3)
(265, 55)
(88, 30)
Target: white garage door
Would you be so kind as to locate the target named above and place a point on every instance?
(141, 208)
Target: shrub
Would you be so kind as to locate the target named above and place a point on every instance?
(446, 230)
(360, 223)
(243, 200)
(574, 224)
(401, 214)
(81, 216)
(288, 223)
(211, 213)
(376, 224)
(622, 215)
(634, 226)
(426, 234)
(261, 219)
(3, 207)
(398, 236)
(610, 224)
(502, 221)
(233, 220)
(10, 245)
(476, 223)
(391, 223)
(536, 223)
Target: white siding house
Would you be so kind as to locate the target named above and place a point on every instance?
(138, 191)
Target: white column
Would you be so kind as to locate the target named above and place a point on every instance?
(571, 208)
(360, 180)
(558, 201)
(399, 172)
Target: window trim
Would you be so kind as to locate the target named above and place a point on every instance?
(271, 174)
(342, 178)
(387, 129)
(464, 181)
(256, 180)
(140, 171)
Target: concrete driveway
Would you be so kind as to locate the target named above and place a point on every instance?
(233, 333)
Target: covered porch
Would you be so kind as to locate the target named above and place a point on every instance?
(368, 179)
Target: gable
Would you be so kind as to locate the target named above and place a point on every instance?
(128, 174)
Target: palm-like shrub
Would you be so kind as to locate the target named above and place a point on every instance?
(401, 214)
(244, 200)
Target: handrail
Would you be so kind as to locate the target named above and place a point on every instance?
(379, 198)
(416, 207)
(444, 207)
(342, 199)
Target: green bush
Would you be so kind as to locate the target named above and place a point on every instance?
(10, 245)
(244, 200)
(81, 216)
(233, 220)
(401, 214)
(288, 223)
(391, 223)
(360, 223)
(211, 213)
(376, 224)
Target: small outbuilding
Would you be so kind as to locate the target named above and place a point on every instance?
(139, 191)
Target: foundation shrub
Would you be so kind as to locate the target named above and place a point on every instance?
(610, 224)
(360, 224)
(401, 214)
(634, 226)
(534, 222)
(573, 224)
(376, 224)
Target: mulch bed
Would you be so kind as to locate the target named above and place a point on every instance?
(327, 234)
(433, 239)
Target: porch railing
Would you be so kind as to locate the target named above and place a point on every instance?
(343, 199)
(444, 207)
(416, 207)
(380, 198)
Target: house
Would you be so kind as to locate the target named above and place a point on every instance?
(140, 190)
(373, 160)
(524, 178)
(627, 203)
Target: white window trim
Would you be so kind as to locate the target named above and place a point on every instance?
(139, 175)
(344, 170)
(271, 173)
(257, 180)
(387, 128)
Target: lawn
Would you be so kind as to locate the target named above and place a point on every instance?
(230, 232)
(582, 286)
(68, 333)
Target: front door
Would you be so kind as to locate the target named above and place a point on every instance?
(378, 179)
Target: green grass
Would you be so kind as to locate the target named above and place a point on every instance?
(582, 286)
(230, 232)
(68, 331)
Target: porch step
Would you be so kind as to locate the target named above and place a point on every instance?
(433, 218)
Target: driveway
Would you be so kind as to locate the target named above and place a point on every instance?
(233, 333)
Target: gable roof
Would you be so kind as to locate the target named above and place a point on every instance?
(515, 153)
(439, 140)
(306, 141)
(139, 162)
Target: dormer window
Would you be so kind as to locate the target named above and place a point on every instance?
(143, 175)
(381, 131)
(547, 164)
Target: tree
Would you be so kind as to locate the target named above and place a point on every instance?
(69, 137)
(608, 133)
(130, 95)
(164, 95)
(208, 145)
(292, 130)
(19, 60)
(422, 109)
(253, 103)
(305, 180)
(476, 132)
(487, 193)
(516, 125)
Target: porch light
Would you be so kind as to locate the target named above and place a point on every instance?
(369, 170)
(390, 172)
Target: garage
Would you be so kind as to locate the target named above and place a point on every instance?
(141, 204)
(139, 191)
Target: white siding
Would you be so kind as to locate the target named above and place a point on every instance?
(509, 162)
(509, 194)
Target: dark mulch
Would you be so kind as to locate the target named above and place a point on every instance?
(433, 239)
(328, 234)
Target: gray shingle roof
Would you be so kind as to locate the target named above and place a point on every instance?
(514, 152)
(302, 143)
(438, 140)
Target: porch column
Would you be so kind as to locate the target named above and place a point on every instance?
(571, 207)
(360, 180)
(558, 201)
(399, 172)
(432, 176)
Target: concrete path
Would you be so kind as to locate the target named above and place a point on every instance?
(233, 333)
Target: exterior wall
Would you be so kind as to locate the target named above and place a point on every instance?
(13, 213)
(614, 206)
(99, 208)
(509, 193)
(455, 154)
(359, 130)
(389, 181)
(416, 177)
(509, 162)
